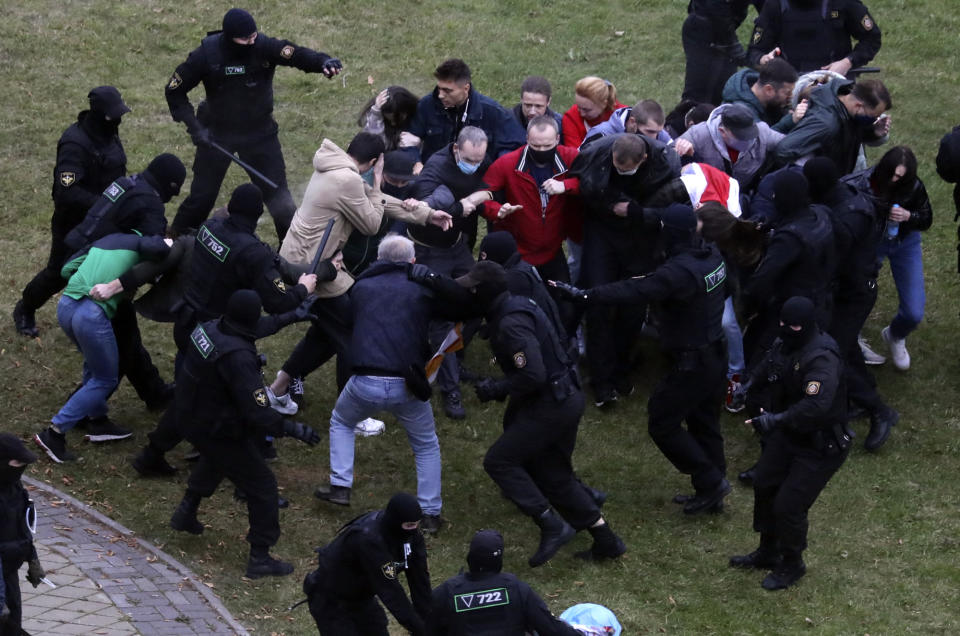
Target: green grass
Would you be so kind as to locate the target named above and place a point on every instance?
(883, 555)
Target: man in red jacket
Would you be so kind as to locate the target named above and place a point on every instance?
(534, 200)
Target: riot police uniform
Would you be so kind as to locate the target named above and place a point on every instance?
(805, 440)
(688, 293)
(531, 460)
(488, 602)
(237, 113)
(364, 561)
(222, 407)
(711, 47)
(814, 33)
(89, 157)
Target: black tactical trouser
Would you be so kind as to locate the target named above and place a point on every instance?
(135, 361)
(531, 461)
(787, 480)
(209, 168)
(707, 69)
(329, 335)
(241, 463)
(692, 392)
(337, 617)
(11, 627)
(48, 280)
(850, 312)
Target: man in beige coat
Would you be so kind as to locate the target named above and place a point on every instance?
(338, 193)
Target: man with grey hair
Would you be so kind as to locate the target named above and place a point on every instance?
(388, 349)
(451, 180)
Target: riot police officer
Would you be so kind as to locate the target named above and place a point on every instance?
(486, 601)
(688, 292)
(236, 66)
(222, 407)
(531, 461)
(805, 440)
(89, 157)
(711, 47)
(364, 561)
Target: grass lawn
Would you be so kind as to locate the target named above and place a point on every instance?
(885, 542)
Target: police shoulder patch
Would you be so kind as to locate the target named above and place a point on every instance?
(866, 22)
(834, 15)
(389, 570)
(757, 35)
(519, 359)
(67, 179)
(812, 388)
(175, 81)
(260, 396)
(278, 283)
(113, 191)
(287, 52)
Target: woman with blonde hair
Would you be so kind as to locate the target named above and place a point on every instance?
(595, 100)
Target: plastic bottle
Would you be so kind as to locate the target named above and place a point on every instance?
(893, 227)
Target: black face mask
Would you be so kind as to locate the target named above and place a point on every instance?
(100, 126)
(792, 340)
(10, 474)
(542, 157)
(864, 122)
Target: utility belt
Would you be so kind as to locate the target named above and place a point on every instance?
(691, 358)
(832, 441)
(564, 385)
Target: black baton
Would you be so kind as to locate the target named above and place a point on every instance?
(323, 244)
(243, 164)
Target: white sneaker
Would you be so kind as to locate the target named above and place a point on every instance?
(282, 404)
(898, 350)
(370, 427)
(870, 356)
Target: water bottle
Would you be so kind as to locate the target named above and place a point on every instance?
(893, 227)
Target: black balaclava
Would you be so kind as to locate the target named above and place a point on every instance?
(246, 206)
(402, 508)
(243, 314)
(166, 173)
(12, 448)
(498, 247)
(487, 280)
(822, 176)
(678, 227)
(106, 109)
(798, 310)
(238, 23)
(791, 194)
(486, 552)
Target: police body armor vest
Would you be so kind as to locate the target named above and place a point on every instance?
(204, 397)
(795, 384)
(218, 249)
(490, 605)
(100, 219)
(695, 322)
(811, 275)
(861, 259)
(109, 161)
(554, 356)
(236, 89)
(812, 37)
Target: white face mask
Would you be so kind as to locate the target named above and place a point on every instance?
(626, 173)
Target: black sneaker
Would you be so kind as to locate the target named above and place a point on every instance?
(706, 501)
(604, 398)
(267, 566)
(453, 406)
(103, 429)
(431, 524)
(24, 321)
(54, 444)
(339, 495)
(296, 391)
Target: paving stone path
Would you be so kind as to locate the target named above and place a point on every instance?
(109, 582)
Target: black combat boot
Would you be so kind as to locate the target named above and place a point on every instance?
(765, 557)
(881, 422)
(150, 462)
(184, 518)
(787, 573)
(261, 564)
(554, 533)
(606, 545)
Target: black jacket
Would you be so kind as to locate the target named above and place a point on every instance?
(88, 160)
(127, 204)
(912, 197)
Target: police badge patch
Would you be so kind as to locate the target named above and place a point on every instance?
(812, 388)
(389, 570)
(286, 52)
(260, 396)
(278, 283)
(757, 35)
(175, 81)
(519, 359)
(67, 179)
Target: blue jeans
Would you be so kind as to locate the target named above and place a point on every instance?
(906, 265)
(731, 329)
(367, 395)
(87, 325)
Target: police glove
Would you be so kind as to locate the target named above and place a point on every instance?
(4, 614)
(490, 389)
(765, 422)
(326, 270)
(332, 66)
(300, 431)
(569, 292)
(201, 136)
(35, 572)
(420, 273)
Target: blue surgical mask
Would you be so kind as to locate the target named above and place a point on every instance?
(467, 168)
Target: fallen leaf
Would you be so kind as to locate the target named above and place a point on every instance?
(370, 79)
